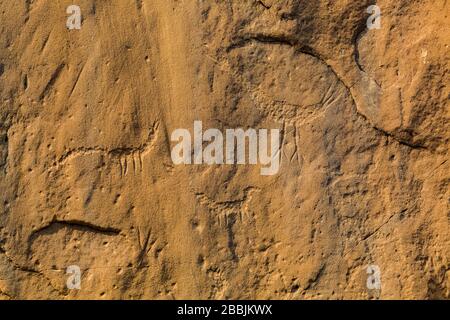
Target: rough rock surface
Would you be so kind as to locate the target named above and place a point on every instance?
(86, 176)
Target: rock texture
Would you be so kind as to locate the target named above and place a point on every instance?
(86, 176)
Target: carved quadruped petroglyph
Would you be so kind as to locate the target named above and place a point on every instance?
(232, 209)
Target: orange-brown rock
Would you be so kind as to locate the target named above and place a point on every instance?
(87, 179)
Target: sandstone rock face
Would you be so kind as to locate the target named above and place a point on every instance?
(87, 178)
